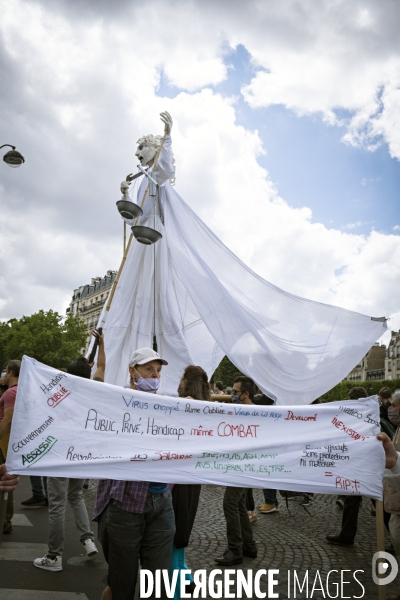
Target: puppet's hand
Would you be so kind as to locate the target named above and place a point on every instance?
(167, 120)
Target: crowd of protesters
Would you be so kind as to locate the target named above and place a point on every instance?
(150, 522)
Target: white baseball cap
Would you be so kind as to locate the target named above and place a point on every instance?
(145, 355)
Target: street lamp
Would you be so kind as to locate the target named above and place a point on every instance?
(13, 158)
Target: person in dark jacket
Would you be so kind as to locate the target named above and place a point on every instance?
(385, 395)
(351, 504)
(185, 498)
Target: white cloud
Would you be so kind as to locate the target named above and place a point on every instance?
(356, 224)
(40, 265)
(81, 86)
(344, 56)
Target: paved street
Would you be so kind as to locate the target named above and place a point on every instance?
(287, 542)
(294, 541)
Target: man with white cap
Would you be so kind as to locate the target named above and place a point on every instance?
(145, 370)
(136, 518)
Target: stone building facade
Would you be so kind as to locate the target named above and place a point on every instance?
(371, 367)
(392, 362)
(88, 300)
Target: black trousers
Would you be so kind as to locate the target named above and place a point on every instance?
(350, 518)
(238, 527)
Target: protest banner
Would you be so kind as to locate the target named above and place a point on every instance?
(68, 426)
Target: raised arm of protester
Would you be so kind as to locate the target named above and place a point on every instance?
(391, 454)
(101, 357)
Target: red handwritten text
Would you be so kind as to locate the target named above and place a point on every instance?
(353, 434)
(171, 456)
(292, 417)
(345, 484)
(58, 397)
(201, 431)
(243, 431)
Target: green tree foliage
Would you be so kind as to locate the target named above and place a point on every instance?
(225, 372)
(47, 336)
(341, 390)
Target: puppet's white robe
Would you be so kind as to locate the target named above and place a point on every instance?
(208, 304)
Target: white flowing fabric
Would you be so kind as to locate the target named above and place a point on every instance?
(208, 304)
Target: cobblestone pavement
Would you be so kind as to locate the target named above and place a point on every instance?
(289, 540)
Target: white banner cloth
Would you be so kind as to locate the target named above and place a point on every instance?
(67, 426)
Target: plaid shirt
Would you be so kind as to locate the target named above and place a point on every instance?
(127, 495)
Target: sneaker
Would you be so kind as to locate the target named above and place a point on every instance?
(265, 509)
(49, 564)
(7, 527)
(306, 500)
(35, 502)
(90, 547)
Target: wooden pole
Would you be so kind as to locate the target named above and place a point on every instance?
(114, 287)
(221, 398)
(380, 541)
(3, 507)
(111, 296)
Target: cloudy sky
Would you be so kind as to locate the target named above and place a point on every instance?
(286, 137)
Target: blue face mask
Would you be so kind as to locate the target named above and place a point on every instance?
(151, 384)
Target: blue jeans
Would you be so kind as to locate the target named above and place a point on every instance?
(270, 497)
(127, 536)
(37, 487)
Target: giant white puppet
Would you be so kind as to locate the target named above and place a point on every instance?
(198, 301)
